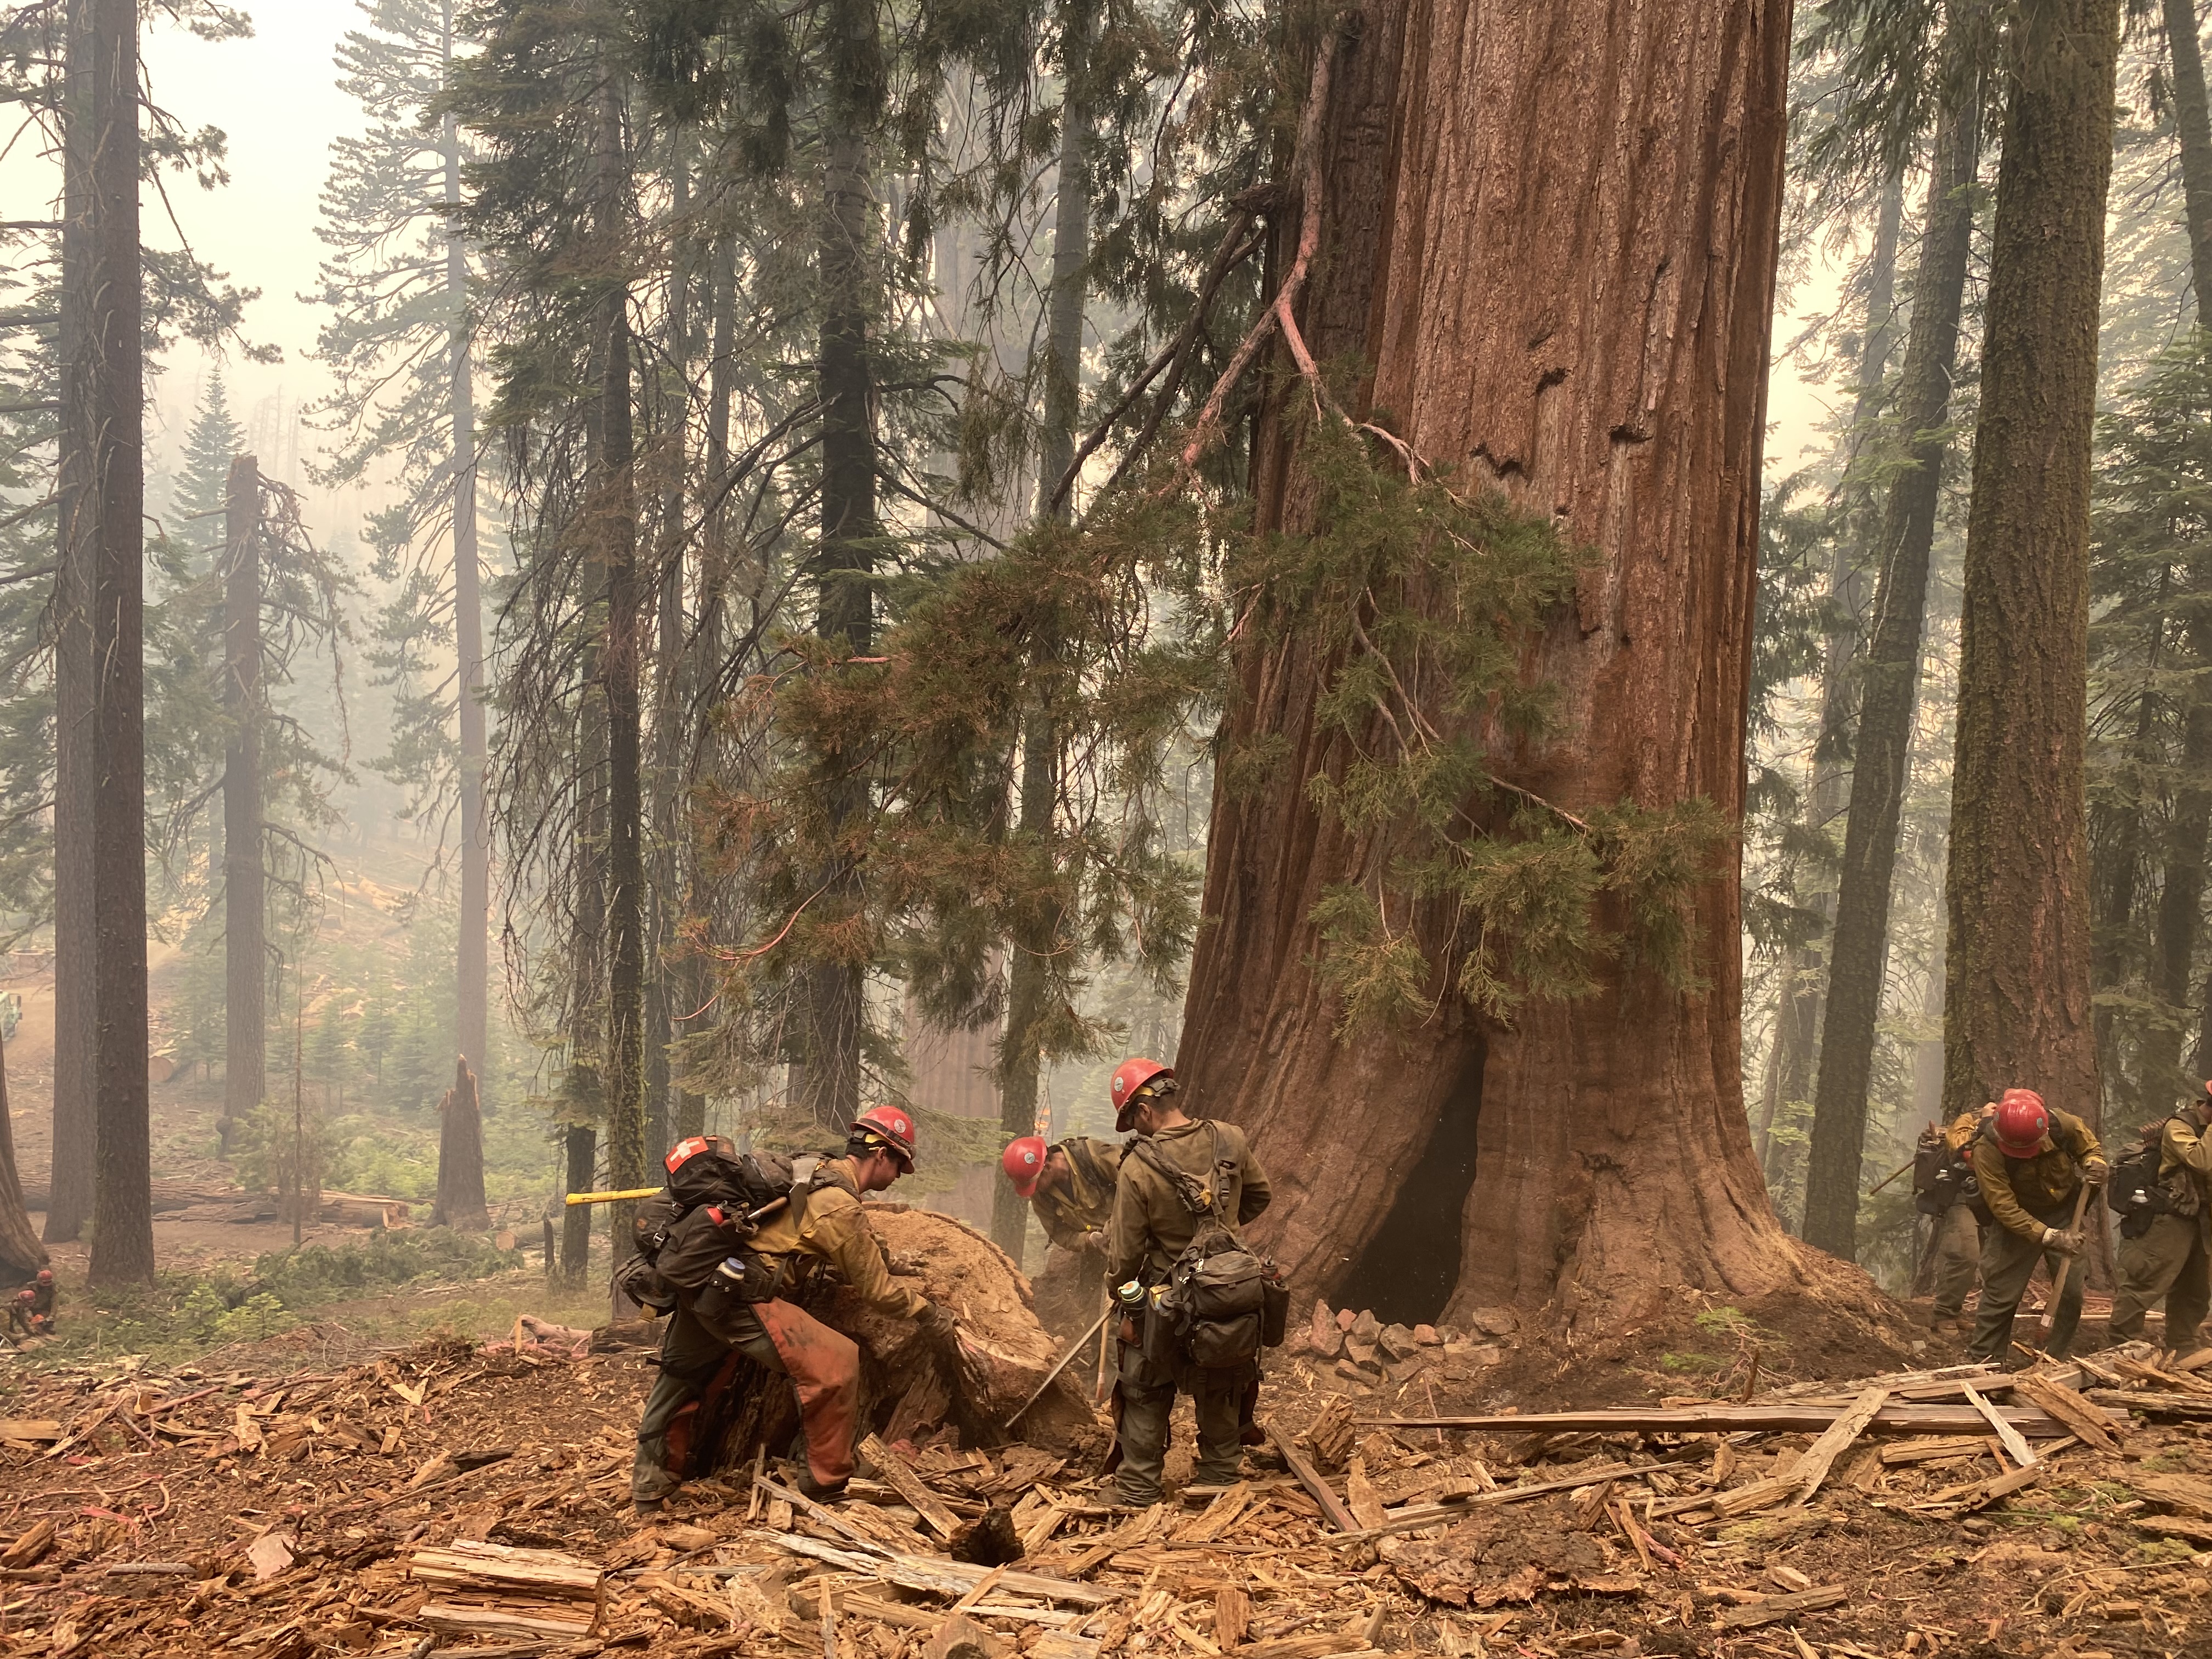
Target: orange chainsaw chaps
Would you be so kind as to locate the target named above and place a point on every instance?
(825, 1371)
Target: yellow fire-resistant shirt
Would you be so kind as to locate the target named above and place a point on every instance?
(827, 1221)
(2019, 1190)
(1084, 1202)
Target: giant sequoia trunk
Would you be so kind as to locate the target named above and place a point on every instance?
(471, 962)
(110, 389)
(2016, 1008)
(1578, 308)
(245, 956)
(1883, 751)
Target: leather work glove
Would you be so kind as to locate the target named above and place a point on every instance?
(2096, 1172)
(2064, 1240)
(937, 1324)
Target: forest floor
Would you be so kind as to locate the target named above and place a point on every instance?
(281, 1498)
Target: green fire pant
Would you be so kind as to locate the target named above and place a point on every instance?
(2007, 1263)
(1148, 1393)
(1958, 1258)
(2168, 1261)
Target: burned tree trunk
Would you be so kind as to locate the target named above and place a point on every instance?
(20, 1253)
(1881, 756)
(246, 955)
(1580, 315)
(460, 1200)
(2017, 1003)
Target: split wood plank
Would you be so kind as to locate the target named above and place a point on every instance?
(836, 1523)
(900, 1476)
(2174, 1526)
(2014, 1442)
(1723, 1418)
(1332, 1506)
(507, 1569)
(1943, 1446)
(1773, 1609)
(2068, 1407)
(1811, 1469)
(2189, 1406)
(507, 1616)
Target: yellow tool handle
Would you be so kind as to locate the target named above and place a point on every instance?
(612, 1198)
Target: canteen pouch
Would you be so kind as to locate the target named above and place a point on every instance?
(1275, 1308)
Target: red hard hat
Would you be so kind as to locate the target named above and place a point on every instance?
(2021, 1123)
(1130, 1076)
(891, 1125)
(46, 1275)
(1024, 1162)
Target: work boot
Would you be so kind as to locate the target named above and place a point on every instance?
(822, 1492)
(647, 1506)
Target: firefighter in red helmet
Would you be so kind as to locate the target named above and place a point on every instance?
(1070, 1188)
(2031, 1161)
(1178, 1176)
(823, 1223)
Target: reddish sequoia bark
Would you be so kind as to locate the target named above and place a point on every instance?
(1552, 230)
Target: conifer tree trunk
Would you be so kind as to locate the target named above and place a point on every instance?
(460, 1200)
(68, 1202)
(245, 878)
(1028, 986)
(691, 972)
(2117, 830)
(826, 1083)
(615, 507)
(2193, 122)
(472, 955)
(1585, 319)
(584, 1087)
(1797, 1010)
(21, 1253)
(2159, 1078)
(1890, 680)
(2016, 1009)
(667, 678)
(113, 393)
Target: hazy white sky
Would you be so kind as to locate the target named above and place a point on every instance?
(275, 95)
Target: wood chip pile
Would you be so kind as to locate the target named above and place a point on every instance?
(452, 1500)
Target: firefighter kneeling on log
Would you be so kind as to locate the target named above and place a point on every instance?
(1196, 1305)
(729, 1275)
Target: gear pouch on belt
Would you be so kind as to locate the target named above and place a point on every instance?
(1222, 1344)
(639, 1280)
(1160, 1333)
